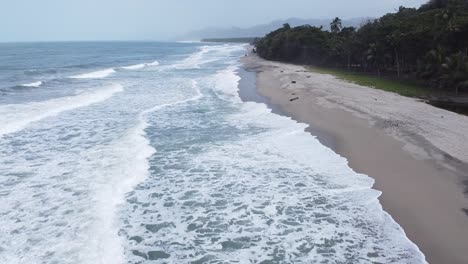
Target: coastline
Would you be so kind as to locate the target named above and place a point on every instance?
(418, 161)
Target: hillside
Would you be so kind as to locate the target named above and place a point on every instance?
(261, 30)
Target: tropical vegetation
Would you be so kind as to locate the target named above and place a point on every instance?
(429, 43)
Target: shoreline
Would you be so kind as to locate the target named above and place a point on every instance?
(422, 186)
(249, 93)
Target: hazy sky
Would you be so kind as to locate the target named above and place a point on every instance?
(43, 20)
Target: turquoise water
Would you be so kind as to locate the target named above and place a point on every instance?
(144, 153)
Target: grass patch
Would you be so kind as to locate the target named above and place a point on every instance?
(404, 88)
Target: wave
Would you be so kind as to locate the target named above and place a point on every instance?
(134, 67)
(206, 54)
(111, 160)
(135, 150)
(132, 153)
(141, 65)
(284, 193)
(33, 84)
(154, 63)
(94, 75)
(16, 117)
(35, 72)
(290, 139)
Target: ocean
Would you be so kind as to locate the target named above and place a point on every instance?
(144, 152)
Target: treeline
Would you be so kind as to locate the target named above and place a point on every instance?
(429, 43)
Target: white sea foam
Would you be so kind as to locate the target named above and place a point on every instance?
(206, 54)
(94, 75)
(33, 84)
(290, 139)
(131, 154)
(15, 117)
(88, 160)
(154, 63)
(224, 80)
(127, 165)
(235, 182)
(134, 67)
(230, 182)
(141, 65)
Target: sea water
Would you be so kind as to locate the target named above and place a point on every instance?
(145, 153)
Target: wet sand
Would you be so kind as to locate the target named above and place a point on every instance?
(418, 154)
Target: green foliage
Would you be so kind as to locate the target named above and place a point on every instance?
(300, 44)
(430, 43)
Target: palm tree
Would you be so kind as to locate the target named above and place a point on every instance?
(336, 25)
(376, 56)
(455, 71)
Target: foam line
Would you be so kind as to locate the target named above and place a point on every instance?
(15, 117)
(33, 84)
(135, 67)
(137, 152)
(94, 75)
(141, 65)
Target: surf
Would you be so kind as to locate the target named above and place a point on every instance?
(94, 75)
(177, 168)
(33, 84)
(16, 117)
(140, 66)
(234, 181)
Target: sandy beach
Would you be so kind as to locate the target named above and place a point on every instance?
(418, 154)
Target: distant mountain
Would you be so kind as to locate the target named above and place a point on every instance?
(261, 30)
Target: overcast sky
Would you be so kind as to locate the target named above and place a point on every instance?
(45, 20)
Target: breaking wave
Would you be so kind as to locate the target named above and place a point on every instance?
(94, 75)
